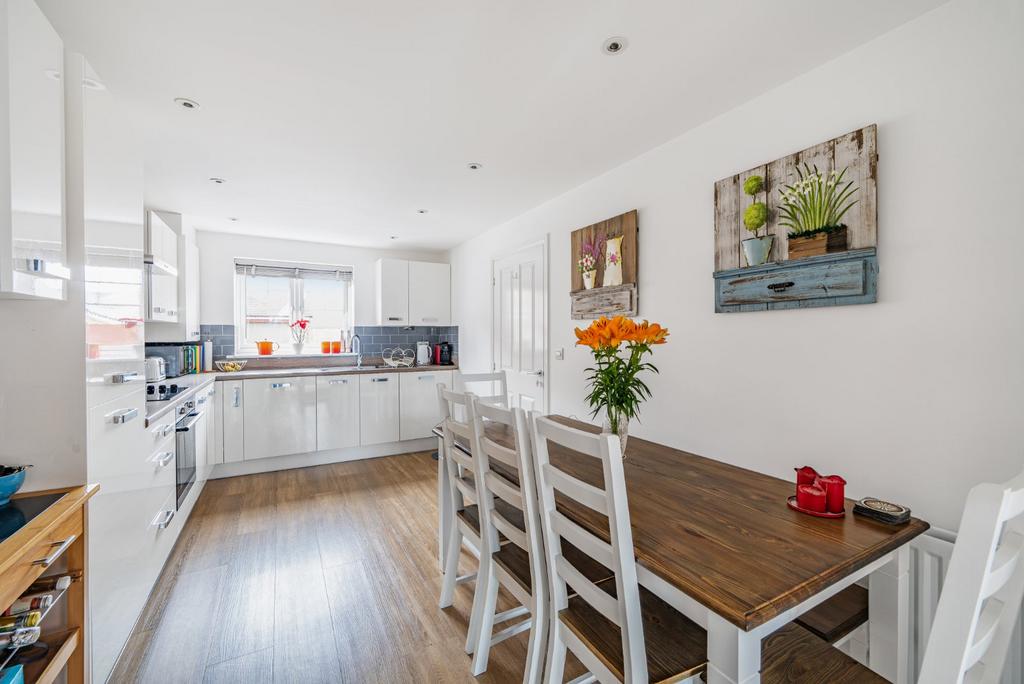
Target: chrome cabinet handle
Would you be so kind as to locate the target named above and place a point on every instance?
(395, 318)
(123, 416)
(425, 377)
(158, 309)
(202, 400)
(539, 373)
(379, 379)
(280, 385)
(166, 430)
(163, 519)
(55, 554)
(122, 378)
(337, 382)
(163, 459)
(237, 400)
(429, 319)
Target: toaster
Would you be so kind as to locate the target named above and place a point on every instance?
(155, 369)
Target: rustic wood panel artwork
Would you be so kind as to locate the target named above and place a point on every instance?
(856, 150)
(786, 281)
(606, 301)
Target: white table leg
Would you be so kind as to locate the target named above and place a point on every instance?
(889, 618)
(734, 656)
(444, 505)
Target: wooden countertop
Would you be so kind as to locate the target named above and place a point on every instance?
(723, 534)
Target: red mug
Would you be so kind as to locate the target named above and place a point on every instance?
(835, 492)
(810, 498)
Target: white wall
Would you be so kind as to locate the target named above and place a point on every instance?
(914, 398)
(218, 251)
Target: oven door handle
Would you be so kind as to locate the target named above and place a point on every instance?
(193, 419)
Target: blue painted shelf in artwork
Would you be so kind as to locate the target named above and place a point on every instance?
(829, 280)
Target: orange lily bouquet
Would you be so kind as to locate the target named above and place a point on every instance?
(615, 385)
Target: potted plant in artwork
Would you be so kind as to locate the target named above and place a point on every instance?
(300, 329)
(812, 209)
(619, 346)
(758, 248)
(590, 252)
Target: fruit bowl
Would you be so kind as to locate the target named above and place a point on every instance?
(230, 366)
(11, 479)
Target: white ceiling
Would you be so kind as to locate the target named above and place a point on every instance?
(336, 120)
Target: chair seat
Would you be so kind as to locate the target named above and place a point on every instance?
(516, 563)
(838, 616)
(676, 646)
(471, 514)
(793, 655)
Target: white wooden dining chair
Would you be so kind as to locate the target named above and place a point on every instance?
(464, 527)
(491, 388)
(981, 598)
(508, 509)
(620, 631)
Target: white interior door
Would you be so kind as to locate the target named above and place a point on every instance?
(520, 325)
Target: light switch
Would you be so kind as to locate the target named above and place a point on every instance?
(560, 354)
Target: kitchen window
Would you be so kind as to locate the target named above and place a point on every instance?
(271, 295)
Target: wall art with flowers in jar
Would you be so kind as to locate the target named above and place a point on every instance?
(604, 268)
(800, 231)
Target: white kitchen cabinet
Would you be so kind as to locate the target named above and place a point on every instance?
(162, 268)
(337, 412)
(280, 416)
(379, 407)
(216, 447)
(33, 233)
(430, 299)
(392, 292)
(190, 284)
(204, 428)
(420, 410)
(232, 420)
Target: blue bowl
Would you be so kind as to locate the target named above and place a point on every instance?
(9, 484)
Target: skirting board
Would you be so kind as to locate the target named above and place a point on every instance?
(314, 458)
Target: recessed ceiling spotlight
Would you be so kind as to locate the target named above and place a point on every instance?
(218, 181)
(422, 211)
(475, 166)
(614, 45)
(186, 103)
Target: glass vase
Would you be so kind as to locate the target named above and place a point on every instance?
(616, 423)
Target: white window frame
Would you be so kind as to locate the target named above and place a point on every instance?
(245, 348)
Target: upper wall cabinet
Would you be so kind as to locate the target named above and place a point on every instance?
(162, 270)
(33, 249)
(413, 293)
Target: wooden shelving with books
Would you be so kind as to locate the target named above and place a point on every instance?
(40, 532)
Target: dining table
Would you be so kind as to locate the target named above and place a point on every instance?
(720, 544)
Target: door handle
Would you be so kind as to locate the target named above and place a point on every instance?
(237, 400)
(379, 379)
(202, 400)
(280, 385)
(163, 519)
(55, 554)
(123, 416)
(163, 459)
(395, 318)
(337, 382)
(539, 373)
(122, 378)
(425, 377)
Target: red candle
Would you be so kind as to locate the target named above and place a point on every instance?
(835, 492)
(806, 475)
(810, 498)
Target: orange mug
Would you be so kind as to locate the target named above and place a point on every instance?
(325, 347)
(266, 347)
(336, 346)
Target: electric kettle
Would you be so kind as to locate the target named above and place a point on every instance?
(423, 353)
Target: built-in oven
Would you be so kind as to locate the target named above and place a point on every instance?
(185, 448)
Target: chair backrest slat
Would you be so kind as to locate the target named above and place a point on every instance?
(492, 388)
(981, 599)
(588, 495)
(504, 489)
(623, 609)
(511, 532)
(497, 452)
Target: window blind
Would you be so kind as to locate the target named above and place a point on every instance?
(283, 270)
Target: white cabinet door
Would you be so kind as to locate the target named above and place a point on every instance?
(215, 453)
(161, 243)
(162, 253)
(379, 408)
(162, 299)
(420, 410)
(33, 258)
(392, 292)
(430, 293)
(232, 419)
(337, 412)
(190, 312)
(204, 428)
(280, 416)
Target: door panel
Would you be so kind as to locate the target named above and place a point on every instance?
(337, 412)
(280, 416)
(420, 410)
(520, 325)
(378, 408)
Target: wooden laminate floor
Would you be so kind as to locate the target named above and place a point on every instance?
(323, 574)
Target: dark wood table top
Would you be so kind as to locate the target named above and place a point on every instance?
(724, 535)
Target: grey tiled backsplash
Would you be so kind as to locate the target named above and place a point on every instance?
(375, 339)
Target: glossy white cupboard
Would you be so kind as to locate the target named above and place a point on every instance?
(337, 412)
(162, 270)
(286, 410)
(379, 407)
(232, 420)
(33, 231)
(419, 412)
(413, 293)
